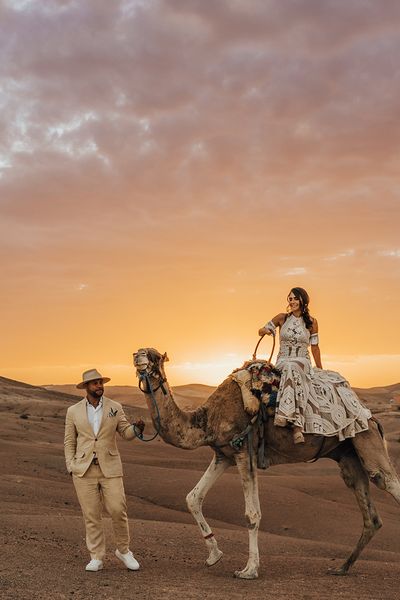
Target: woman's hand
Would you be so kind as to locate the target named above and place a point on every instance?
(317, 356)
(269, 329)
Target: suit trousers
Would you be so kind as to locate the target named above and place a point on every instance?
(95, 491)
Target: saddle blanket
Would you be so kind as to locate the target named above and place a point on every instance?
(259, 383)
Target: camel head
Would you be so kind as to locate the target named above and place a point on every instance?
(148, 361)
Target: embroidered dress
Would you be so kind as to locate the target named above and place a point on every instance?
(319, 401)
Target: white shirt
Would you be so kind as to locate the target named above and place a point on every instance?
(95, 415)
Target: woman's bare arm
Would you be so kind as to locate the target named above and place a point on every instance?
(277, 321)
(315, 350)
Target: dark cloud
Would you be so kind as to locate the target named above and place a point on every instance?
(175, 121)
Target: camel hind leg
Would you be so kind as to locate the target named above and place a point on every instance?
(356, 478)
(371, 448)
(195, 499)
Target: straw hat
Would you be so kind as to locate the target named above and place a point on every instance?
(91, 375)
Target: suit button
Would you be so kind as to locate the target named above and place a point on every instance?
(95, 439)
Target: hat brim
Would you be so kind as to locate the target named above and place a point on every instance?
(81, 385)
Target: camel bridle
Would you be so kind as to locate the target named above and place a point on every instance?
(147, 369)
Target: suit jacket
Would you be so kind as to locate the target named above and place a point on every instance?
(80, 443)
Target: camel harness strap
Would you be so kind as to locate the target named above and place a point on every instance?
(143, 377)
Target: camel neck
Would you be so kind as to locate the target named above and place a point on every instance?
(177, 427)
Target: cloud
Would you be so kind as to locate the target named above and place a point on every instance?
(345, 254)
(395, 253)
(295, 271)
(157, 147)
(82, 105)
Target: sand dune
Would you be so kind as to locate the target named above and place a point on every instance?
(381, 397)
(310, 520)
(187, 396)
(193, 395)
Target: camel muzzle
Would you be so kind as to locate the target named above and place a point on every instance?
(141, 360)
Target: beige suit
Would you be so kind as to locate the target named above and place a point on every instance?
(98, 485)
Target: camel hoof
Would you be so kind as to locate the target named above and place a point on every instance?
(246, 574)
(340, 572)
(214, 558)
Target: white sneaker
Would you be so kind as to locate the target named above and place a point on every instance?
(128, 559)
(94, 565)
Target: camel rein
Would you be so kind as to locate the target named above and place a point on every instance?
(236, 443)
(258, 343)
(143, 377)
(238, 440)
(258, 421)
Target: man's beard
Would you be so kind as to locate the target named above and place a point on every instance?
(96, 395)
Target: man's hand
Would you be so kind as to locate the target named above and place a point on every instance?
(140, 425)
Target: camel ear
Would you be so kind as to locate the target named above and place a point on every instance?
(165, 357)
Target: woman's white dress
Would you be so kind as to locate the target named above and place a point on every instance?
(317, 400)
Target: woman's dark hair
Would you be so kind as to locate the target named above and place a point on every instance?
(301, 295)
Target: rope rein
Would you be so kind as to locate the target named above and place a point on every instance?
(257, 422)
(236, 443)
(157, 421)
(258, 343)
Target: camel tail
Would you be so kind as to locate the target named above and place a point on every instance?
(381, 431)
(380, 428)
(371, 447)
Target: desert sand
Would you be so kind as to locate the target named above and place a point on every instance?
(310, 519)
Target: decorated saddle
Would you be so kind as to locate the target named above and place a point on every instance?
(259, 383)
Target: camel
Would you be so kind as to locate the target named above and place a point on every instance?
(361, 459)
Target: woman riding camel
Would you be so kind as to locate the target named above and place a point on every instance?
(312, 400)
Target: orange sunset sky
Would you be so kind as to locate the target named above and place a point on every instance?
(170, 169)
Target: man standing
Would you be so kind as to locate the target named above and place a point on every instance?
(93, 460)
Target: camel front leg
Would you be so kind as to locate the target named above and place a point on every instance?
(195, 499)
(253, 514)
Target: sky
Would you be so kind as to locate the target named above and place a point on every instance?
(170, 169)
